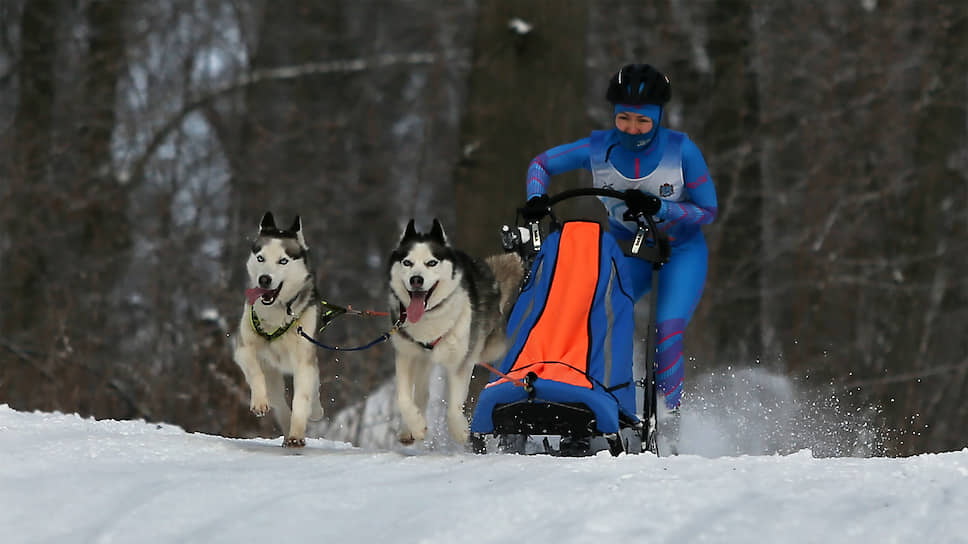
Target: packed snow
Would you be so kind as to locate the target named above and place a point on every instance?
(64, 478)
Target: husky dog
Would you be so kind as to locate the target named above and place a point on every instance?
(450, 308)
(281, 297)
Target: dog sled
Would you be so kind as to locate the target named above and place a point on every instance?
(566, 386)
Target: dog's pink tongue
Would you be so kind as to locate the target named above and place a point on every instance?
(418, 301)
(254, 293)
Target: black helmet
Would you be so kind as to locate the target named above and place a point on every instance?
(637, 84)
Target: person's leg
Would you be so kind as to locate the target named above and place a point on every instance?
(681, 283)
(640, 274)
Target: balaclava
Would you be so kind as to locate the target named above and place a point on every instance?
(638, 142)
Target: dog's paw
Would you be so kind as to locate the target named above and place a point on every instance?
(294, 442)
(259, 408)
(408, 437)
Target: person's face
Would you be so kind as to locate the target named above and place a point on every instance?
(633, 123)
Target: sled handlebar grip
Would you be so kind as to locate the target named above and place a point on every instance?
(662, 241)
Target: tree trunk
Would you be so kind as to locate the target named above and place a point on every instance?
(935, 333)
(526, 94)
(24, 267)
(729, 139)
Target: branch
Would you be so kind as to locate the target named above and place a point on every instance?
(28, 357)
(909, 376)
(280, 74)
(140, 409)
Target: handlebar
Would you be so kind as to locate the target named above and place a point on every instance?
(657, 253)
(585, 191)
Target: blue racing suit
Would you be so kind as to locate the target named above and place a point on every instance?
(672, 168)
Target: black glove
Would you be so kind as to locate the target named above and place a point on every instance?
(640, 203)
(536, 208)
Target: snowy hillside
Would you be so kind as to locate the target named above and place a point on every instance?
(68, 479)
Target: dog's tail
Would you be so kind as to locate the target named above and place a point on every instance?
(508, 269)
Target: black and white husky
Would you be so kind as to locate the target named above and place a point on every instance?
(281, 297)
(451, 312)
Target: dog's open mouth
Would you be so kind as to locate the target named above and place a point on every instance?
(418, 304)
(268, 296)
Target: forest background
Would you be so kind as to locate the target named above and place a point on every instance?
(141, 142)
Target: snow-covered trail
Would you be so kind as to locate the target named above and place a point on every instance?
(68, 479)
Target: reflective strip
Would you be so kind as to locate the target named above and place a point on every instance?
(534, 281)
(609, 319)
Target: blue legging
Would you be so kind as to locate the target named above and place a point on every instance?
(681, 282)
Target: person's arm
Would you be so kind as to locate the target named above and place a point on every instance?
(555, 161)
(701, 207)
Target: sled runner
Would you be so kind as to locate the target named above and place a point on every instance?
(566, 386)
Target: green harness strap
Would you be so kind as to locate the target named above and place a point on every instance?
(329, 312)
(257, 326)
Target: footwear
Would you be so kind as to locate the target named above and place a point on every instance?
(668, 431)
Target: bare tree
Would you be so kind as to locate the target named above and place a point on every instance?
(61, 287)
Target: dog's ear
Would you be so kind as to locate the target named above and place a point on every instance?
(268, 223)
(409, 232)
(437, 232)
(296, 229)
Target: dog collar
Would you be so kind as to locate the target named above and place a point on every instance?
(425, 345)
(403, 333)
(257, 326)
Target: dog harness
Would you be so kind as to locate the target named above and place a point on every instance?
(425, 345)
(403, 333)
(257, 326)
(257, 323)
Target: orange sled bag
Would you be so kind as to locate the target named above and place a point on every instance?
(570, 338)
